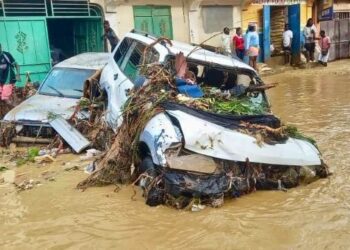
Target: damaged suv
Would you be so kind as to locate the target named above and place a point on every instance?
(191, 152)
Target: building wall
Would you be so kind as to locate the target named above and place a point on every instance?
(121, 17)
(253, 13)
(305, 14)
(341, 5)
(197, 31)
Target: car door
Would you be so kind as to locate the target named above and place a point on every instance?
(124, 68)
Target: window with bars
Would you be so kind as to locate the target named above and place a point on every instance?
(70, 7)
(24, 8)
(342, 15)
(46, 8)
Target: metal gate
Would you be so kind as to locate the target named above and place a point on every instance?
(26, 39)
(339, 32)
(24, 30)
(87, 36)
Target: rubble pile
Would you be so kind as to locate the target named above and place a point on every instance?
(183, 189)
(7, 132)
(20, 94)
(115, 166)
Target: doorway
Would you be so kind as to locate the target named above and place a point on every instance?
(76, 35)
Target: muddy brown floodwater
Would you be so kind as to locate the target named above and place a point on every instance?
(317, 216)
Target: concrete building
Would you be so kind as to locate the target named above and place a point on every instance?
(333, 16)
(189, 21)
(29, 27)
(270, 16)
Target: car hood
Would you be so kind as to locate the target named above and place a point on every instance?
(38, 107)
(209, 139)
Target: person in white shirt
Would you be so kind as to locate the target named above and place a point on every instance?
(226, 42)
(310, 35)
(287, 43)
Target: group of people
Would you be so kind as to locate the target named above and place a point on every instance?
(309, 33)
(242, 45)
(248, 44)
(310, 38)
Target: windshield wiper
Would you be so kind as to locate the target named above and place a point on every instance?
(60, 94)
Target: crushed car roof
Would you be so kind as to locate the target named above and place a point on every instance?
(197, 53)
(201, 54)
(89, 60)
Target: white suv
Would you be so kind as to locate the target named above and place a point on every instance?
(194, 132)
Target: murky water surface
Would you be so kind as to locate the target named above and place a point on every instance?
(316, 216)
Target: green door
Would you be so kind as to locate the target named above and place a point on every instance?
(143, 19)
(154, 20)
(88, 36)
(27, 40)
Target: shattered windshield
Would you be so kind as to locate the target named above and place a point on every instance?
(65, 82)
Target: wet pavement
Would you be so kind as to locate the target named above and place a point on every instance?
(317, 216)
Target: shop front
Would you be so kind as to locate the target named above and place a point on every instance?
(271, 16)
(333, 17)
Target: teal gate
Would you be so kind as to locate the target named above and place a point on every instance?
(87, 35)
(27, 40)
(24, 31)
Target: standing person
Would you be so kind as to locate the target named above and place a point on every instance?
(309, 35)
(8, 77)
(57, 55)
(325, 44)
(287, 43)
(226, 42)
(110, 35)
(252, 46)
(238, 42)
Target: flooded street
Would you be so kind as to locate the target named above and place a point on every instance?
(317, 216)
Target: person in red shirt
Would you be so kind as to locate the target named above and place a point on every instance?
(238, 43)
(325, 44)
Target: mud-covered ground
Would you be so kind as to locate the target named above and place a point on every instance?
(53, 214)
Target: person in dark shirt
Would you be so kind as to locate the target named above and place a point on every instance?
(110, 35)
(8, 77)
(57, 55)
